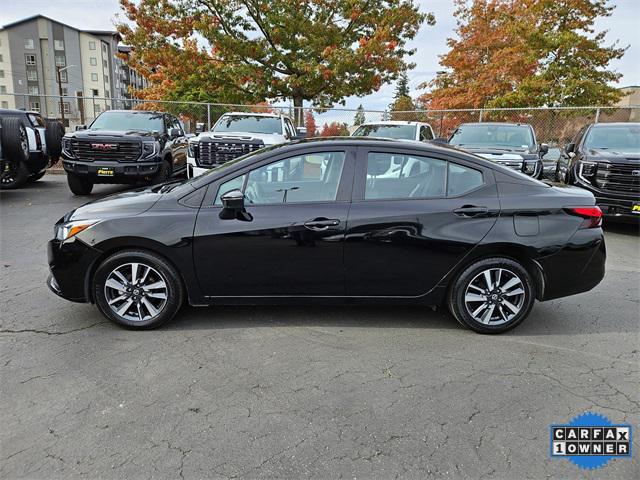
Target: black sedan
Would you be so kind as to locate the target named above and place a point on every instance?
(334, 221)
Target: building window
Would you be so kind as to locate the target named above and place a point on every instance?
(93, 61)
(35, 106)
(5, 104)
(95, 92)
(92, 45)
(1, 73)
(63, 76)
(94, 77)
(66, 106)
(60, 61)
(104, 47)
(106, 79)
(58, 45)
(97, 108)
(30, 59)
(65, 91)
(33, 90)
(105, 64)
(3, 89)
(32, 75)
(1, 58)
(28, 43)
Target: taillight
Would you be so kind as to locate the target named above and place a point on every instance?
(592, 215)
(38, 140)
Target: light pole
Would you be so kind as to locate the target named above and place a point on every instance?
(58, 70)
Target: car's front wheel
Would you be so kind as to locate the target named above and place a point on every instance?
(137, 289)
(492, 295)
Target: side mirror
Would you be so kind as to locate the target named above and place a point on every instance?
(233, 207)
(199, 127)
(173, 133)
(544, 149)
(569, 147)
(81, 127)
(440, 140)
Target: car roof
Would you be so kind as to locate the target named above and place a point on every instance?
(616, 124)
(155, 112)
(12, 111)
(256, 114)
(394, 122)
(510, 124)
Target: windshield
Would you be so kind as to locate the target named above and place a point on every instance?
(125, 121)
(399, 132)
(624, 138)
(248, 124)
(509, 136)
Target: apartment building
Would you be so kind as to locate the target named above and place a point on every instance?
(32, 51)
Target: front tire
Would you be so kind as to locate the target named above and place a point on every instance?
(137, 289)
(79, 185)
(492, 295)
(163, 175)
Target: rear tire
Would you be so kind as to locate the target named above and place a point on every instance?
(492, 295)
(15, 142)
(54, 131)
(141, 297)
(79, 185)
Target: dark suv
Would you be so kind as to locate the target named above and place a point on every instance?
(604, 158)
(124, 146)
(513, 145)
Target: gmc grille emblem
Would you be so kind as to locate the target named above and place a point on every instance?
(228, 148)
(104, 146)
(635, 173)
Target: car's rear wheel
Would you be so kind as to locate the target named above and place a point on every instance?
(79, 185)
(137, 289)
(492, 295)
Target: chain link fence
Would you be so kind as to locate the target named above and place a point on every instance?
(553, 126)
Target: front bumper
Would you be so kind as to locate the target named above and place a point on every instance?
(70, 264)
(123, 172)
(193, 170)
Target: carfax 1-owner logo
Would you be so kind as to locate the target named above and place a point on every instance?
(590, 440)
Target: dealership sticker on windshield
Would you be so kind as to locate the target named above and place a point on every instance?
(590, 440)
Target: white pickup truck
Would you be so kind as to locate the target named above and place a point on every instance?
(236, 134)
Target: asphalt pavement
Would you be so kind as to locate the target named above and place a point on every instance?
(300, 392)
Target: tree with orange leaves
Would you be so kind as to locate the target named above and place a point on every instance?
(315, 50)
(310, 124)
(520, 53)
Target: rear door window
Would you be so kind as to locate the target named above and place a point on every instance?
(462, 179)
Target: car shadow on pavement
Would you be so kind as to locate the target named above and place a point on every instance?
(350, 316)
(627, 228)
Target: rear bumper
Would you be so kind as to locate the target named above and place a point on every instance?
(577, 268)
(123, 172)
(70, 263)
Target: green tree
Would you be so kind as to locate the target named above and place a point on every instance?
(401, 107)
(402, 87)
(527, 53)
(359, 117)
(315, 50)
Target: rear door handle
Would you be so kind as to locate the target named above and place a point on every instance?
(470, 211)
(319, 224)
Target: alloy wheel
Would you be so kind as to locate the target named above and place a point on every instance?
(494, 296)
(136, 292)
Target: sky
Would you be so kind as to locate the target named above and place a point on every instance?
(430, 42)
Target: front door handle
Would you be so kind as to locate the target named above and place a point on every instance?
(319, 224)
(469, 211)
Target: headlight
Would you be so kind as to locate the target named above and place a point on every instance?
(587, 169)
(149, 149)
(530, 167)
(67, 147)
(67, 230)
(193, 149)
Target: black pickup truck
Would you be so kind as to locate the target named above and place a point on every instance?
(124, 146)
(513, 145)
(604, 158)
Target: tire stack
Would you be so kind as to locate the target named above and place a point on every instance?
(15, 153)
